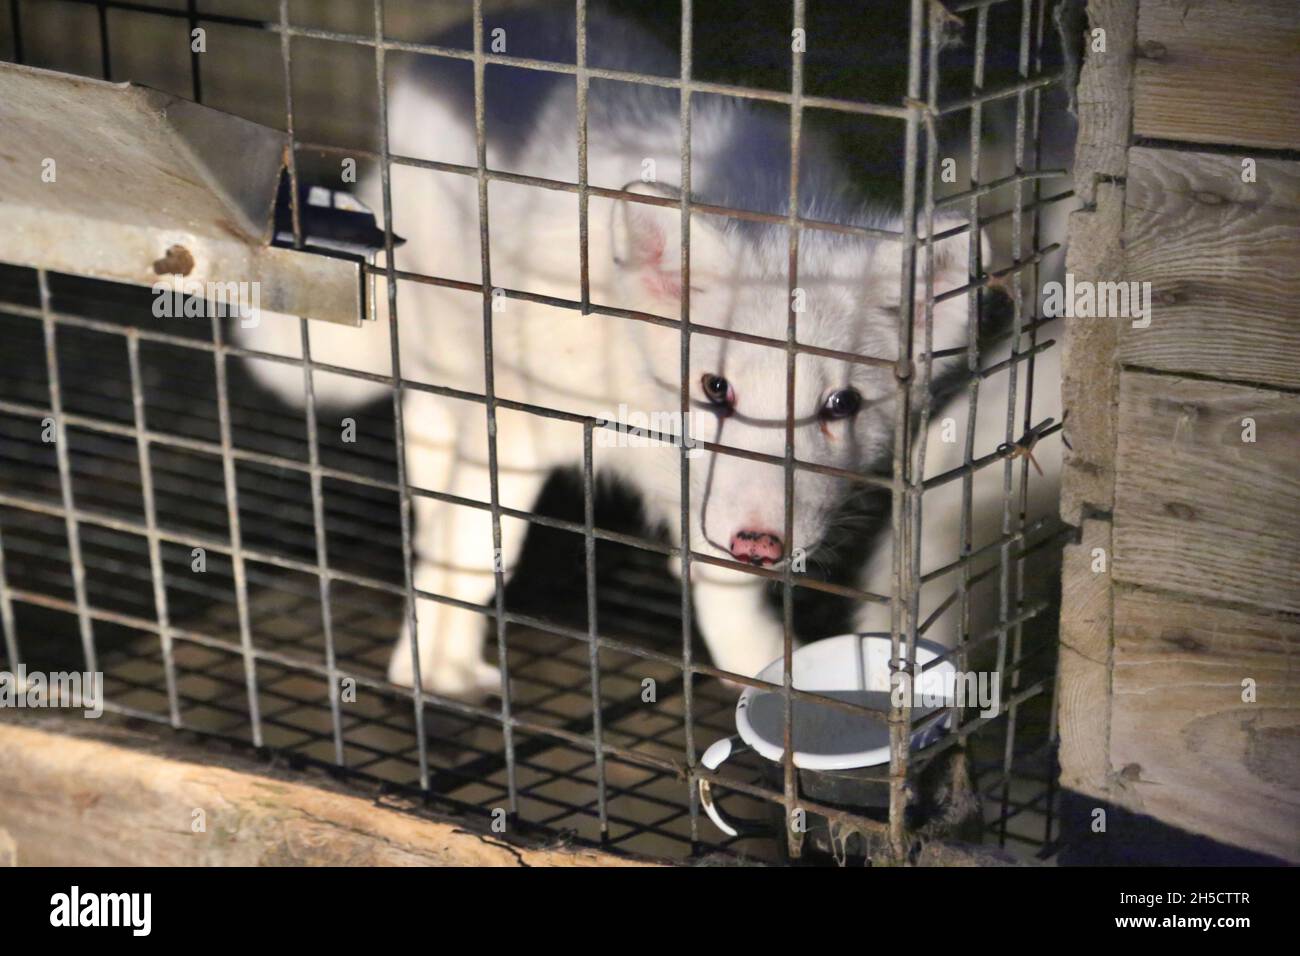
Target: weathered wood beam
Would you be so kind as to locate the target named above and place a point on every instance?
(85, 801)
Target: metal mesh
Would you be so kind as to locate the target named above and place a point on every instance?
(162, 447)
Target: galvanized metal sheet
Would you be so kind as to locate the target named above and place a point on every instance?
(121, 182)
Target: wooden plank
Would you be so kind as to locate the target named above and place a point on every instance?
(80, 801)
(1221, 256)
(1105, 99)
(1192, 751)
(1084, 698)
(1197, 509)
(1218, 71)
(1094, 253)
(1089, 364)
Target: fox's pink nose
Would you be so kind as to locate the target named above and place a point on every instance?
(756, 547)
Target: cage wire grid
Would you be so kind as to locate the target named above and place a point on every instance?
(570, 749)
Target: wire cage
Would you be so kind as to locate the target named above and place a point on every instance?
(236, 570)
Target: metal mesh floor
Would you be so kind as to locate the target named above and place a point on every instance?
(648, 808)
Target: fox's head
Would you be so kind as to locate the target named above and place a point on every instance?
(846, 299)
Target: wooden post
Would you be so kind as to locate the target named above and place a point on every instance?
(1179, 698)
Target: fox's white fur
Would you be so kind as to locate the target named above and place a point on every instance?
(593, 364)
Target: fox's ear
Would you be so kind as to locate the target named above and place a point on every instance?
(950, 263)
(647, 248)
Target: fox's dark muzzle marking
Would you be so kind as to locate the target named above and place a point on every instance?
(757, 547)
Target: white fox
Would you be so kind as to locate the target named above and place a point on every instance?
(593, 364)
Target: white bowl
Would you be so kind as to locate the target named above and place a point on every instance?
(853, 668)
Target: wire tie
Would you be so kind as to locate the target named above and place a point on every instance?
(1024, 447)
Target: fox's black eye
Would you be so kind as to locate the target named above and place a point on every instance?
(718, 390)
(842, 404)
